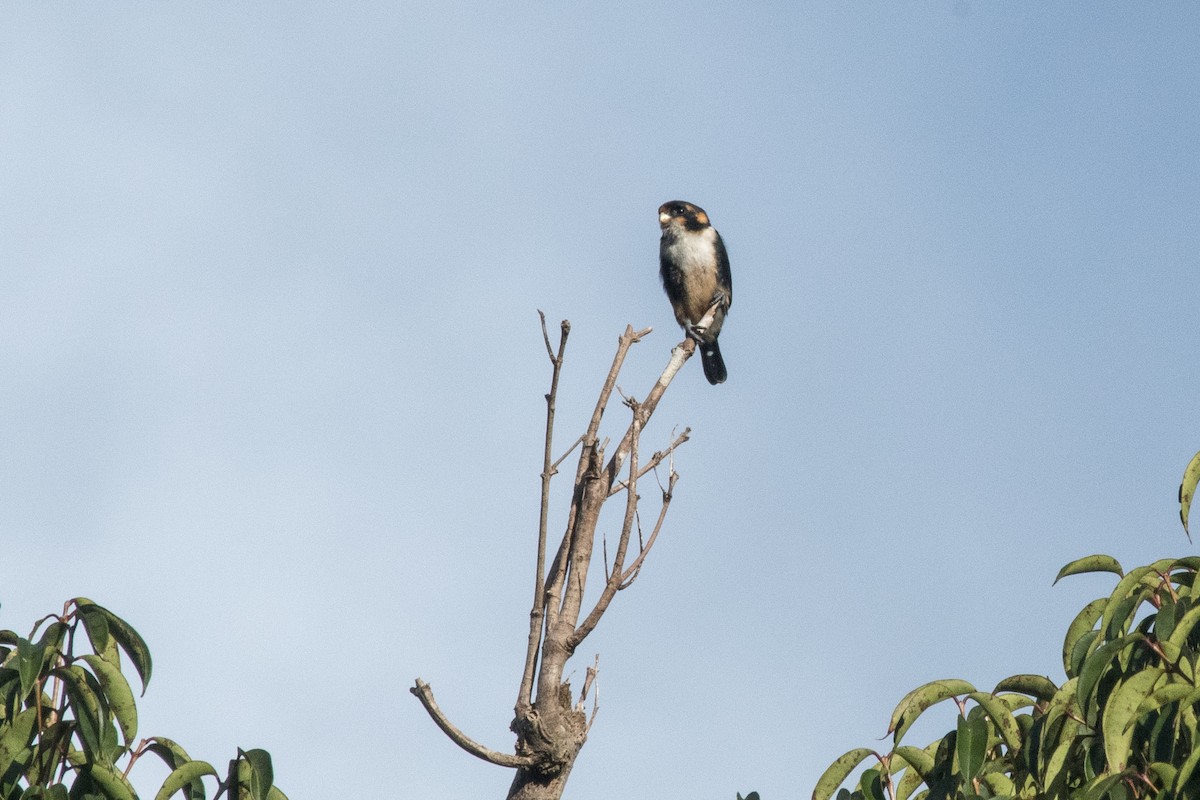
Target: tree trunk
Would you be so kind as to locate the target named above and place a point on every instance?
(553, 733)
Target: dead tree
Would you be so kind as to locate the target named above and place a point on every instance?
(550, 726)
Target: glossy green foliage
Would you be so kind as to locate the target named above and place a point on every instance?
(1187, 489)
(69, 723)
(1122, 725)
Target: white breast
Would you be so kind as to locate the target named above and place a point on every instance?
(694, 250)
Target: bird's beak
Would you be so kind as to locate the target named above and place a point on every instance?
(663, 218)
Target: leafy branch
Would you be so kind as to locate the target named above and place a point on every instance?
(68, 719)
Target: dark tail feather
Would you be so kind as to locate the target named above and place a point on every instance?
(714, 365)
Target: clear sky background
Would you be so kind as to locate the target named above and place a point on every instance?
(273, 376)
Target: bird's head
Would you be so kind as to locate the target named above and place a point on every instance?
(682, 214)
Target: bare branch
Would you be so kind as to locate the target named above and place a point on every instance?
(575, 551)
(537, 612)
(679, 355)
(566, 328)
(563, 457)
(595, 707)
(424, 693)
(591, 494)
(655, 459)
(613, 583)
(632, 572)
(604, 544)
(629, 338)
(587, 682)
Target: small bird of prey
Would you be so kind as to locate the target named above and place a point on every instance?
(695, 275)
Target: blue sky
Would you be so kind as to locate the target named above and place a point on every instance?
(273, 372)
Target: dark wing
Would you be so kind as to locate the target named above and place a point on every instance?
(724, 277)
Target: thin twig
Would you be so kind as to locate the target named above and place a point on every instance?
(537, 612)
(424, 693)
(587, 682)
(655, 460)
(631, 573)
(604, 544)
(563, 457)
(546, 335)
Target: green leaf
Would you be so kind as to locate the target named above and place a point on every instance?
(262, 775)
(108, 779)
(276, 794)
(1184, 775)
(174, 757)
(1098, 787)
(1061, 749)
(1015, 701)
(1165, 695)
(95, 625)
(1000, 784)
(837, 772)
(184, 776)
(1162, 740)
(751, 796)
(10, 693)
(84, 788)
(971, 745)
(1098, 662)
(1096, 563)
(1002, 717)
(1183, 627)
(1123, 602)
(1119, 715)
(1162, 774)
(1168, 565)
(168, 750)
(918, 700)
(51, 644)
(52, 742)
(128, 638)
(29, 658)
(1164, 620)
(1057, 727)
(118, 695)
(920, 760)
(1038, 686)
(86, 703)
(1187, 489)
(15, 738)
(908, 784)
(1084, 647)
(1083, 623)
(872, 785)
